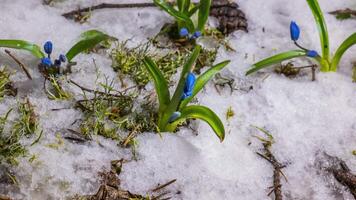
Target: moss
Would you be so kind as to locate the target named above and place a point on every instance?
(25, 126)
(6, 87)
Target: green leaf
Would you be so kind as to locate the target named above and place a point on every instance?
(179, 16)
(203, 14)
(160, 82)
(173, 105)
(24, 45)
(203, 79)
(205, 114)
(88, 40)
(350, 41)
(275, 59)
(320, 22)
(193, 10)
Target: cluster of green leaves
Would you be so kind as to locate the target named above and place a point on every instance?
(10, 139)
(325, 60)
(185, 10)
(88, 40)
(168, 105)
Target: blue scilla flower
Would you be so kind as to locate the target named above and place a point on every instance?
(294, 31)
(189, 86)
(47, 62)
(196, 35)
(183, 32)
(62, 58)
(48, 47)
(312, 53)
(174, 116)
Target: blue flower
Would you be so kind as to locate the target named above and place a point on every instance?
(47, 62)
(312, 53)
(183, 32)
(48, 47)
(189, 86)
(196, 34)
(62, 58)
(174, 116)
(294, 31)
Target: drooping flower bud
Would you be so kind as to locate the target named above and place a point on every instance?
(48, 47)
(189, 85)
(62, 58)
(183, 32)
(294, 31)
(46, 61)
(57, 62)
(312, 54)
(174, 116)
(196, 35)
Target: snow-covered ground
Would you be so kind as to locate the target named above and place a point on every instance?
(305, 117)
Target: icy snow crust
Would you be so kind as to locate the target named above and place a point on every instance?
(304, 117)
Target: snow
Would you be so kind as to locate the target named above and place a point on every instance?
(304, 117)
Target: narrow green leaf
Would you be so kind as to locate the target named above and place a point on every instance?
(176, 14)
(24, 45)
(186, 6)
(180, 4)
(350, 41)
(160, 82)
(203, 14)
(202, 80)
(88, 40)
(173, 105)
(205, 114)
(193, 10)
(275, 59)
(320, 22)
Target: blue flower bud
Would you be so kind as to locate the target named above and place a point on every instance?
(174, 116)
(62, 58)
(47, 62)
(294, 31)
(189, 86)
(312, 53)
(183, 32)
(48, 47)
(57, 62)
(196, 34)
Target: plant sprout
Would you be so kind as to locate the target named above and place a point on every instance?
(325, 60)
(88, 40)
(183, 15)
(173, 110)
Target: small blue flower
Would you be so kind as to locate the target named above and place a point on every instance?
(57, 62)
(189, 86)
(48, 47)
(47, 62)
(196, 35)
(312, 54)
(62, 58)
(183, 32)
(174, 116)
(294, 31)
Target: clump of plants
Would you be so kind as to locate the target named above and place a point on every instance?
(129, 61)
(6, 87)
(26, 125)
(173, 111)
(185, 26)
(325, 60)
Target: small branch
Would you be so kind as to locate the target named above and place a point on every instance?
(164, 185)
(95, 91)
(346, 11)
(19, 63)
(277, 185)
(107, 5)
